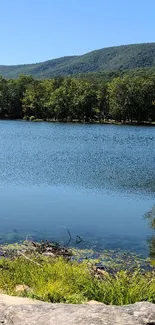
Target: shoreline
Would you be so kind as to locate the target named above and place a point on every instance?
(48, 273)
(110, 260)
(107, 122)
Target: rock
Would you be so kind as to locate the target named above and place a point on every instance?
(98, 272)
(11, 300)
(21, 288)
(16, 311)
(93, 302)
(48, 254)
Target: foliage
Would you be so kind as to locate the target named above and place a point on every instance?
(107, 59)
(125, 99)
(132, 98)
(150, 217)
(58, 280)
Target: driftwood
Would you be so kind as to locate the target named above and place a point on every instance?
(53, 248)
(46, 248)
(30, 249)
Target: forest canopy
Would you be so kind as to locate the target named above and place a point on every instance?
(122, 98)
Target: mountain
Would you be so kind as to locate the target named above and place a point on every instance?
(124, 57)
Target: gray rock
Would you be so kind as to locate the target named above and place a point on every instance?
(22, 311)
(49, 254)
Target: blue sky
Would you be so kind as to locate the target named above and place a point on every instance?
(39, 30)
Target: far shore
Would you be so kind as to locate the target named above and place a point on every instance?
(76, 121)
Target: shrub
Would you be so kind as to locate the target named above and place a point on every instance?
(26, 118)
(32, 118)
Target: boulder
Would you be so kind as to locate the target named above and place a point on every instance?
(22, 311)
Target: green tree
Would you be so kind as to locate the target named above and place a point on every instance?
(118, 99)
(33, 101)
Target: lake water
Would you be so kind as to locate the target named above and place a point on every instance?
(97, 181)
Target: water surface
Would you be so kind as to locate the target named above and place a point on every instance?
(96, 180)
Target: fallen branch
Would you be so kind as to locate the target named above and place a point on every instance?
(29, 259)
(70, 237)
(78, 239)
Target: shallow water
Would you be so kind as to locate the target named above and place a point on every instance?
(98, 181)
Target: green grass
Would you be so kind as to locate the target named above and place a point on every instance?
(58, 280)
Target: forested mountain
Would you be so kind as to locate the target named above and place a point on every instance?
(117, 58)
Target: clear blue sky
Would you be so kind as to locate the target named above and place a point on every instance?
(39, 30)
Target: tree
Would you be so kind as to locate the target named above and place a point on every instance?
(33, 102)
(118, 99)
(4, 98)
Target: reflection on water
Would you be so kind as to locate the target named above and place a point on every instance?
(150, 217)
(96, 180)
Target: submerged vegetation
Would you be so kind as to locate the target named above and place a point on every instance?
(128, 98)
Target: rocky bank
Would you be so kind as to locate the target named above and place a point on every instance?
(23, 311)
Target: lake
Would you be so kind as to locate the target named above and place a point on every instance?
(94, 181)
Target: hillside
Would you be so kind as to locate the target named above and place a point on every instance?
(124, 57)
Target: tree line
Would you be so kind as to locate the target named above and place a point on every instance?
(126, 99)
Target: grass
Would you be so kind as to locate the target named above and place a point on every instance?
(59, 280)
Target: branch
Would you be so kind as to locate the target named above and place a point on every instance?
(70, 237)
(29, 259)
